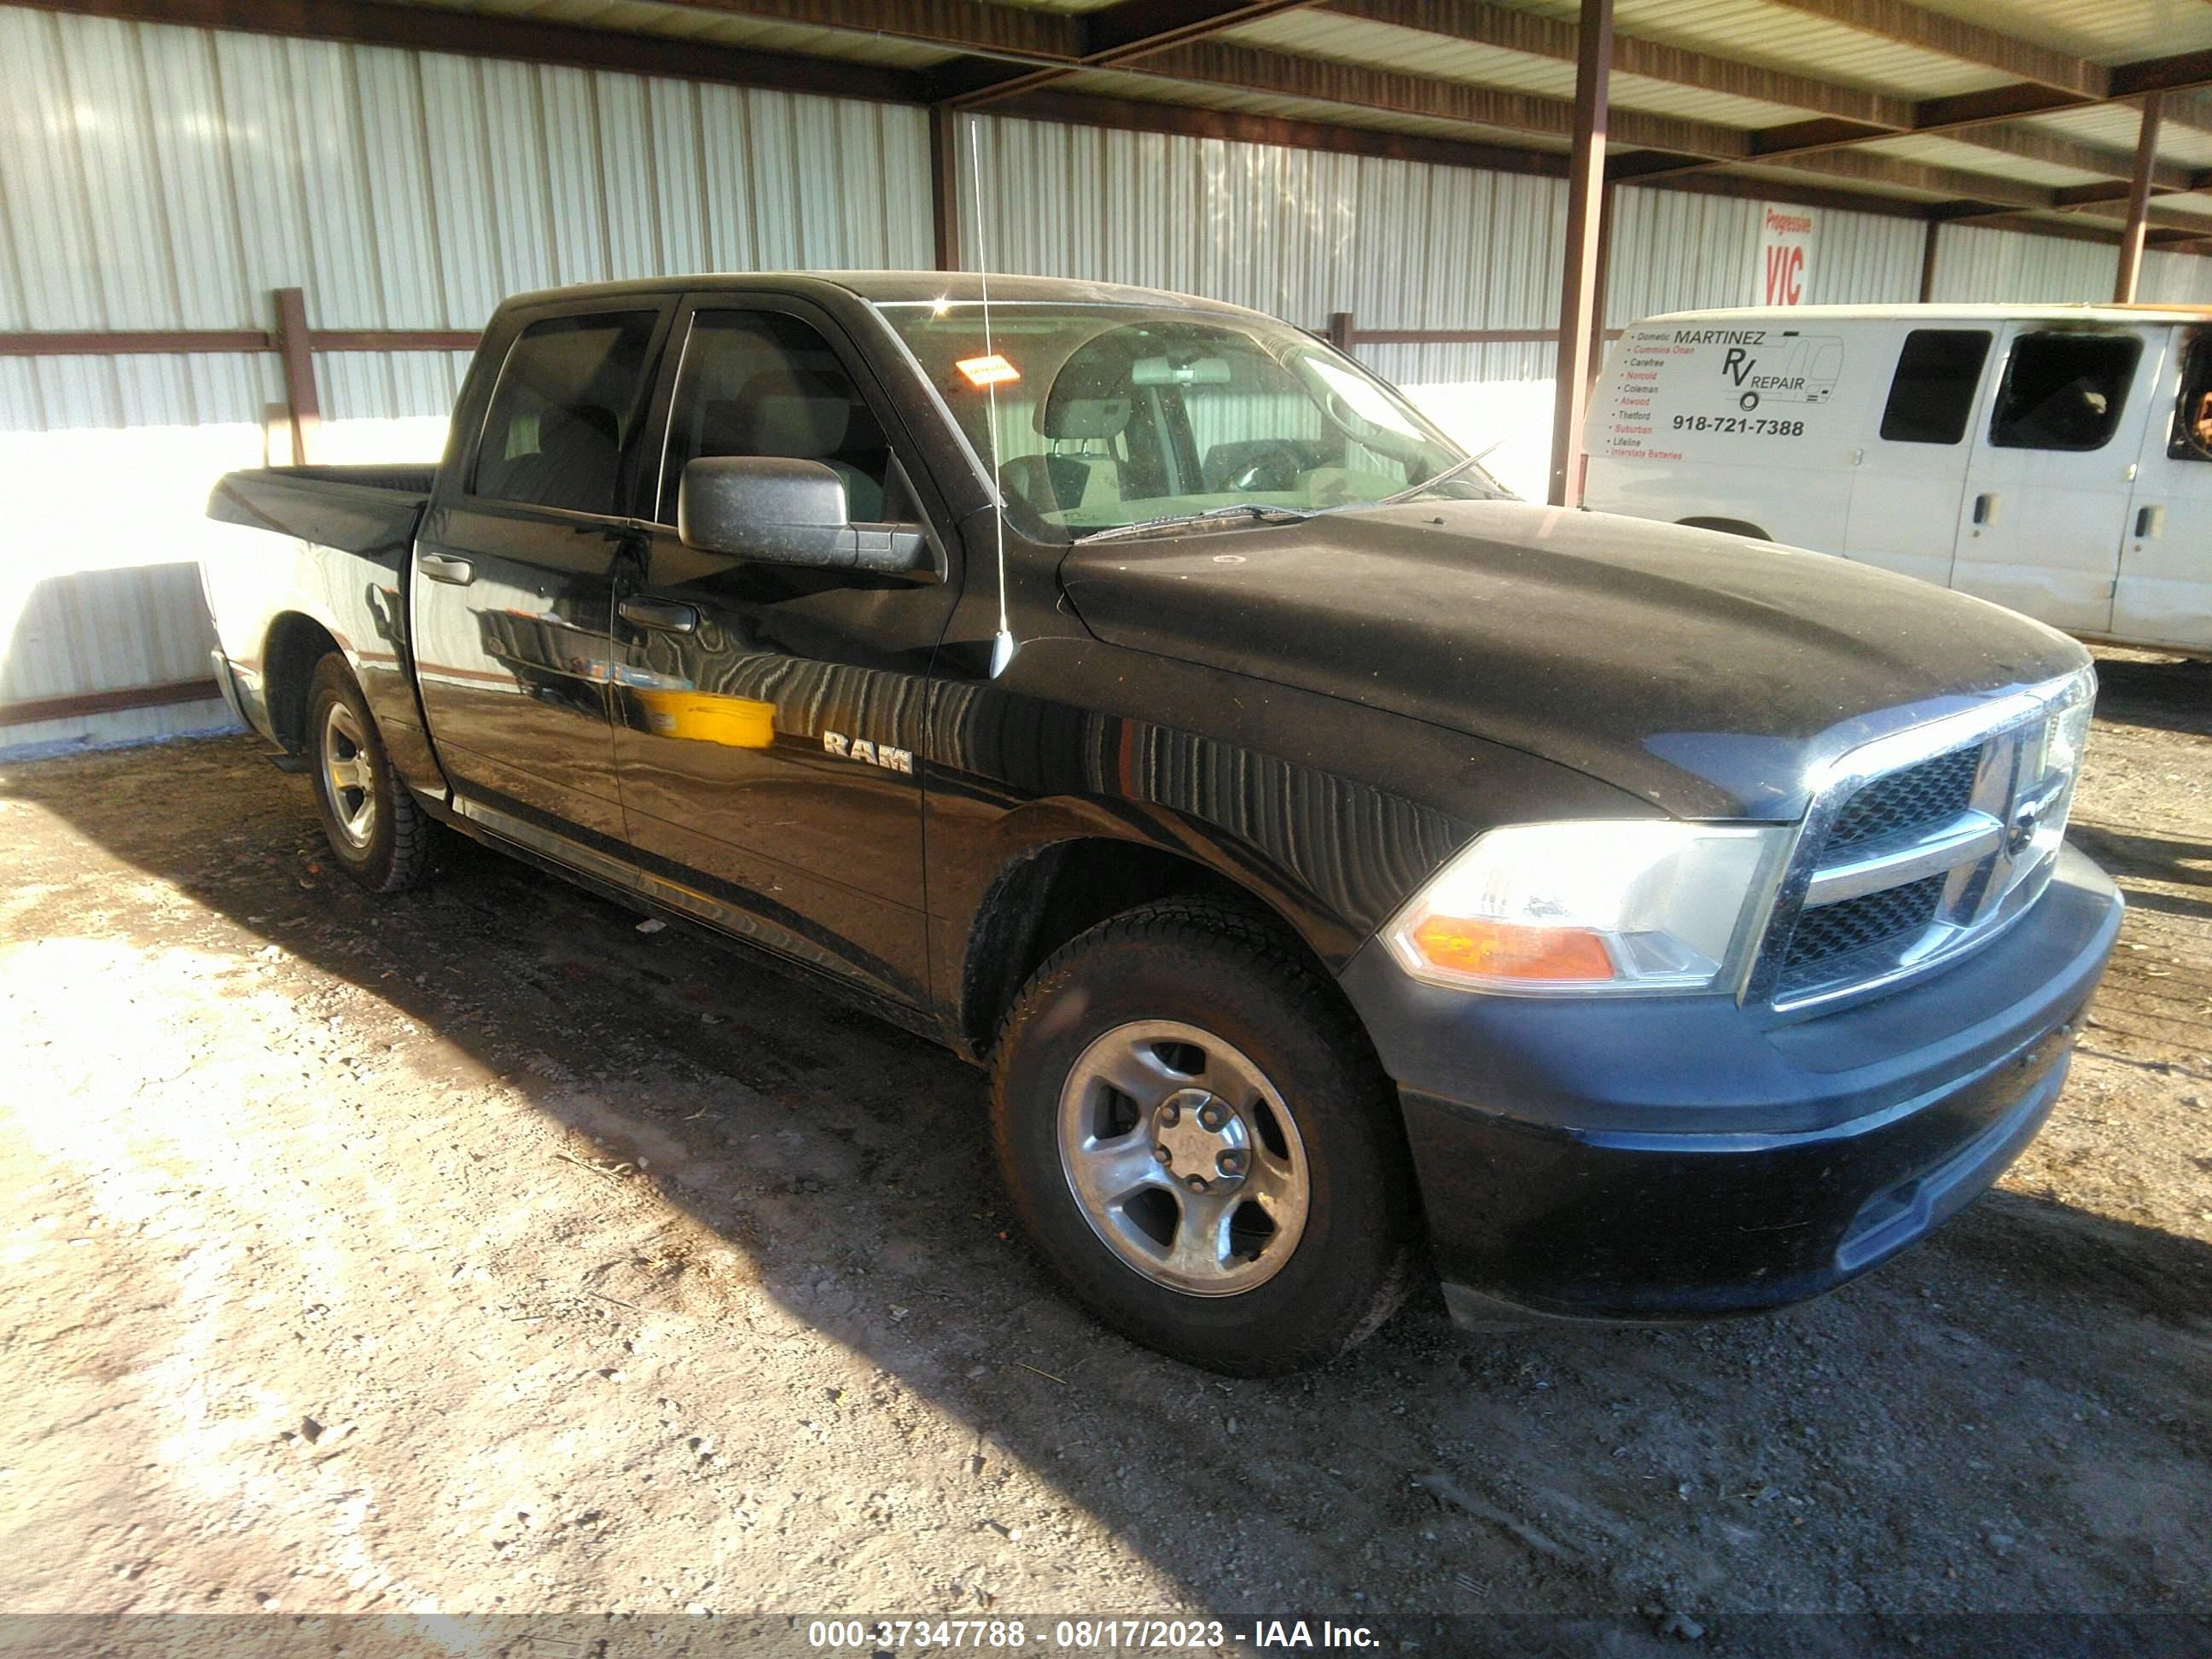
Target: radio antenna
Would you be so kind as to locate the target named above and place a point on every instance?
(1002, 647)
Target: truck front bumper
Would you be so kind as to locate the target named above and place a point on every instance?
(1659, 1159)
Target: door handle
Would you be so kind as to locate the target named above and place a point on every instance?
(1985, 507)
(2150, 521)
(665, 614)
(444, 568)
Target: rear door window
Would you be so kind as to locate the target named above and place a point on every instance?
(2064, 392)
(564, 412)
(1931, 400)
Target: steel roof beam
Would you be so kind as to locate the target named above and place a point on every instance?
(1963, 42)
(1843, 116)
(435, 28)
(1484, 25)
(1099, 40)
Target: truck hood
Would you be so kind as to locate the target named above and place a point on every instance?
(1707, 673)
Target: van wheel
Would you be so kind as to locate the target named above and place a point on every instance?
(378, 833)
(1199, 1139)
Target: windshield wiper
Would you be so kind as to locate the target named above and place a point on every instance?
(1422, 488)
(1236, 510)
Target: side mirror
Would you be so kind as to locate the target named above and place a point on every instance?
(775, 511)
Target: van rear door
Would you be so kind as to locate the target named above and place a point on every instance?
(1911, 469)
(2052, 470)
(2164, 593)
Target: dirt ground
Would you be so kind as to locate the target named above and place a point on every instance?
(475, 1252)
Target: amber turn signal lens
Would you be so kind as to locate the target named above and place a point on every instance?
(1504, 950)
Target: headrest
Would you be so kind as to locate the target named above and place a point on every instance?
(721, 429)
(570, 423)
(798, 415)
(1082, 417)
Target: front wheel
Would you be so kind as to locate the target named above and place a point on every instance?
(378, 833)
(1199, 1139)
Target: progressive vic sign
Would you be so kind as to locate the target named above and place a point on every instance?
(1781, 271)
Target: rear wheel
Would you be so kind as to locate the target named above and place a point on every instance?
(1200, 1140)
(378, 833)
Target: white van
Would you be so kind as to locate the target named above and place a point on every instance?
(2055, 458)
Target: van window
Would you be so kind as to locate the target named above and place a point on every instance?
(1932, 399)
(564, 410)
(2064, 390)
(2191, 437)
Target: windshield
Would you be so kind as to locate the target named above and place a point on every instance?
(1112, 416)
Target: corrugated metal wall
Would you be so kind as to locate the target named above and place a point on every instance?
(154, 177)
(162, 178)
(1976, 265)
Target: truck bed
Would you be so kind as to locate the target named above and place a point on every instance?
(369, 510)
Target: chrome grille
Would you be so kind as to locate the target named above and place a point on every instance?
(1918, 797)
(1869, 929)
(1922, 844)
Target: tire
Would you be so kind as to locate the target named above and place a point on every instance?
(378, 833)
(1104, 1082)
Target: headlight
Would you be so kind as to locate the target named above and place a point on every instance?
(2068, 732)
(1638, 905)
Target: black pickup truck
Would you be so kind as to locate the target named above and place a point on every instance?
(1343, 868)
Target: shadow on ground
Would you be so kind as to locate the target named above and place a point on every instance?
(2145, 689)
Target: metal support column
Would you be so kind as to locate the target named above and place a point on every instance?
(945, 183)
(2131, 239)
(1579, 324)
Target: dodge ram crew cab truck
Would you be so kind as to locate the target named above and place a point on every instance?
(1342, 868)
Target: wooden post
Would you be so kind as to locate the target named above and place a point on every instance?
(1928, 260)
(1578, 322)
(1339, 331)
(945, 183)
(298, 357)
(2131, 239)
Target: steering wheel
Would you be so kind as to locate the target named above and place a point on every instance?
(1274, 468)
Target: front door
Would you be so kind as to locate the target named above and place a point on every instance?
(512, 591)
(768, 718)
(2164, 594)
(1911, 472)
(2053, 466)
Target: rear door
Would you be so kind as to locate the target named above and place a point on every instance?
(2164, 594)
(2053, 468)
(512, 591)
(1911, 469)
(768, 718)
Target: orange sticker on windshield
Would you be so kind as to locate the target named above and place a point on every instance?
(993, 370)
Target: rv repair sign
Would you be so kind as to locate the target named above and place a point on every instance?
(1781, 271)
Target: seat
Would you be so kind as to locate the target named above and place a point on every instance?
(575, 465)
(1088, 475)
